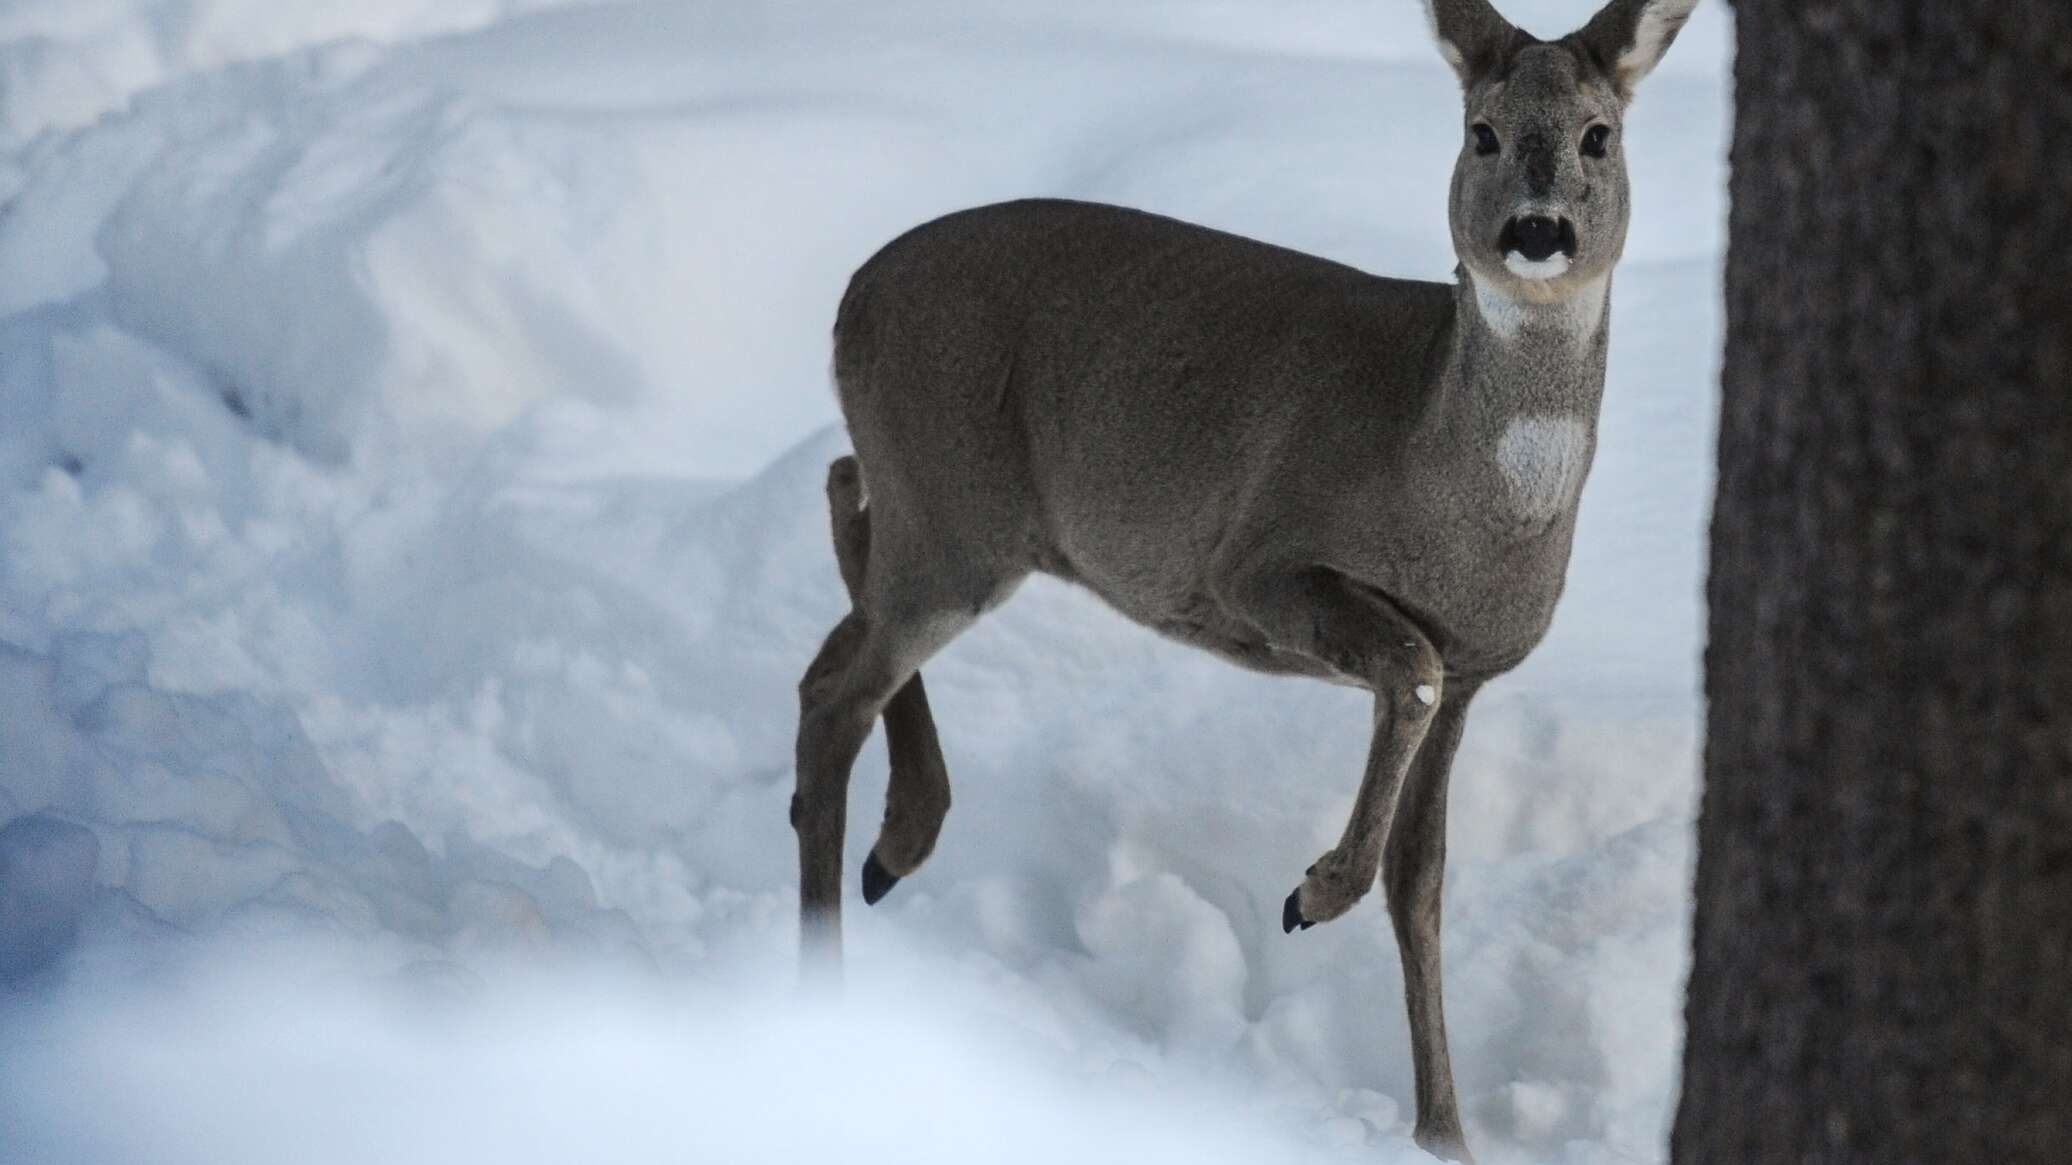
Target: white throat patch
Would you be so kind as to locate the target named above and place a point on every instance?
(1576, 317)
(1542, 458)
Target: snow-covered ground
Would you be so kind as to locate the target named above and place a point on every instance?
(412, 422)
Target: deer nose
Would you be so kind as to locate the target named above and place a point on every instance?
(1537, 237)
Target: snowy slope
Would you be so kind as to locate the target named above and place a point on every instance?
(412, 423)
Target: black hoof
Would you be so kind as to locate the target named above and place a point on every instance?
(877, 882)
(1291, 915)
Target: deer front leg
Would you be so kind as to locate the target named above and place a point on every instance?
(1360, 634)
(1413, 869)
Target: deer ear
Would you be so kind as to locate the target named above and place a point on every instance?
(1628, 37)
(1473, 37)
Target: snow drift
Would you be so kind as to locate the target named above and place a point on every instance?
(412, 422)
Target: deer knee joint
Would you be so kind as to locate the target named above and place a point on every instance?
(1421, 679)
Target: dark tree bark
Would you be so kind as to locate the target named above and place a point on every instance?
(1883, 943)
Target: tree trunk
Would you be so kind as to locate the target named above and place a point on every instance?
(1883, 943)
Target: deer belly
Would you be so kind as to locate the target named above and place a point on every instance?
(1199, 621)
(1247, 650)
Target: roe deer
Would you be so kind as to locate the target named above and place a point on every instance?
(1303, 468)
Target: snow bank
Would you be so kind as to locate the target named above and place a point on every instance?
(64, 63)
(411, 532)
(243, 1070)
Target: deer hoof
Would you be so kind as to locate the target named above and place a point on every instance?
(1291, 914)
(877, 880)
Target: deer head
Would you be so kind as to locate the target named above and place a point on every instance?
(1539, 203)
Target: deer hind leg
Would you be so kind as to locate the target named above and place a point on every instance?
(865, 660)
(829, 738)
(916, 598)
(918, 795)
(1413, 870)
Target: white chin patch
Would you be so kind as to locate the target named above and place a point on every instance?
(1550, 267)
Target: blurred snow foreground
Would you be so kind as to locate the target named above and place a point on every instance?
(412, 425)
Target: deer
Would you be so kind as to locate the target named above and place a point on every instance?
(1300, 467)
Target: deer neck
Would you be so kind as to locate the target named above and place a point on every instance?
(1520, 357)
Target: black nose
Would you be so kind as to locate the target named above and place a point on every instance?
(1537, 237)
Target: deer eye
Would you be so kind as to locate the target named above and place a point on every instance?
(1594, 140)
(1485, 139)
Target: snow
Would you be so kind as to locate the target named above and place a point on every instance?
(46, 880)
(64, 63)
(413, 422)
